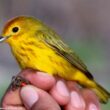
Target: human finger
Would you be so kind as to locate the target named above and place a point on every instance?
(39, 79)
(37, 99)
(76, 100)
(11, 100)
(92, 102)
(60, 92)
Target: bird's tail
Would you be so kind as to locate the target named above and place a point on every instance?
(102, 94)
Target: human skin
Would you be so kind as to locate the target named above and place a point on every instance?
(49, 93)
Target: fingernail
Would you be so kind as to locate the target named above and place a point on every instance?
(41, 73)
(62, 89)
(29, 96)
(93, 107)
(76, 100)
(44, 75)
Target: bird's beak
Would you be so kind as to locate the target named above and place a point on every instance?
(2, 38)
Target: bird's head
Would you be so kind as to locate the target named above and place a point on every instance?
(15, 29)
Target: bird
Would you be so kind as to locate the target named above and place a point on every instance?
(35, 45)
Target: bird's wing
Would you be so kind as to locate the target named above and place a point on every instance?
(53, 40)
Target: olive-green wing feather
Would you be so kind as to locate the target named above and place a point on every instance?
(53, 40)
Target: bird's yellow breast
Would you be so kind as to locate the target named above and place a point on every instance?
(39, 56)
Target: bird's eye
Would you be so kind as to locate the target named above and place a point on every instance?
(15, 29)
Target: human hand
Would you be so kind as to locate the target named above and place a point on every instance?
(49, 93)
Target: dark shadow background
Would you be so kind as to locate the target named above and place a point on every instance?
(84, 25)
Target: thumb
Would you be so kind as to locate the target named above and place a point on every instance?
(37, 99)
(29, 96)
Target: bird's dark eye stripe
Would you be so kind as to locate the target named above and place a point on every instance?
(15, 29)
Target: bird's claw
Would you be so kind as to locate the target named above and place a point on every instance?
(18, 81)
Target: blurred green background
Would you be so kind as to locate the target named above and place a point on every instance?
(83, 24)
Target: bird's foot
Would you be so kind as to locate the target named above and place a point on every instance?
(18, 81)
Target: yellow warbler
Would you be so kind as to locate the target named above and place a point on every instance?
(37, 46)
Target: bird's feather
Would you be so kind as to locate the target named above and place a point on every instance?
(53, 40)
